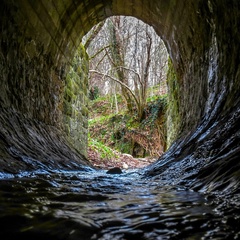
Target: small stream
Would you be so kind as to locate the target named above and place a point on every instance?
(91, 204)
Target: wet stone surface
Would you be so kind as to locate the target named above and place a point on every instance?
(79, 205)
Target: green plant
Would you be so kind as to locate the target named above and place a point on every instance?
(93, 93)
(154, 109)
(104, 151)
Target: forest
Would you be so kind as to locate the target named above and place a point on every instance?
(128, 69)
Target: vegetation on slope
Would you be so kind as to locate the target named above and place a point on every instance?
(128, 65)
(117, 138)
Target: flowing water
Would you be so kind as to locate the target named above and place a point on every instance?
(95, 205)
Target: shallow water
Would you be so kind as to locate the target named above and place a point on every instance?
(96, 205)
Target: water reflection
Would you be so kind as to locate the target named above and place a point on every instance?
(79, 205)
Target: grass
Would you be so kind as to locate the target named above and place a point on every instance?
(104, 151)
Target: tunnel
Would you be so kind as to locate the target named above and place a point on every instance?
(38, 42)
(49, 189)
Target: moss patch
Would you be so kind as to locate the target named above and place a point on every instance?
(75, 101)
(173, 114)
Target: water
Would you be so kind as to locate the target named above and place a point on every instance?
(96, 205)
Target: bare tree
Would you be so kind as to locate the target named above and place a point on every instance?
(128, 52)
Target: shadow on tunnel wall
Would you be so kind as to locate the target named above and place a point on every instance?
(38, 41)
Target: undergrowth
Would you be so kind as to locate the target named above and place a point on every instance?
(121, 132)
(104, 151)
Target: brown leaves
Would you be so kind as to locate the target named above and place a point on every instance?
(124, 161)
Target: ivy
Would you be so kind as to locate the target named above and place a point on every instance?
(153, 111)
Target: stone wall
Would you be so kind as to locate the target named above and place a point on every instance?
(30, 83)
(173, 116)
(75, 103)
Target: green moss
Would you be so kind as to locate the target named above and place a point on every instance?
(173, 114)
(67, 107)
(84, 111)
(75, 101)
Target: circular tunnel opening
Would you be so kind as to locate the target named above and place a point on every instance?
(128, 93)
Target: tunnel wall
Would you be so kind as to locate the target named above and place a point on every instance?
(38, 116)
(39, 40)
(29, 82)
(75, 101)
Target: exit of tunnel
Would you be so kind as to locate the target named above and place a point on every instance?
(127, 67)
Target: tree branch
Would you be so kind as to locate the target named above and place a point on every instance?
(99, 51)
(121, 83)
(93, 34)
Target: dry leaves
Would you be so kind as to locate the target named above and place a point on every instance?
(124, 161)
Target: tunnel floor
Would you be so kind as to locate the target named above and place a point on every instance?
(91, 204)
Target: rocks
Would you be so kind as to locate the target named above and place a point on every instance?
(125, 166)
(115, 170)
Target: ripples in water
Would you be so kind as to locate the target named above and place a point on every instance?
(95, 205)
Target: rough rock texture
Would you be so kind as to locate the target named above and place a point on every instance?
(75, 112)
(39, 39)
(27, 144)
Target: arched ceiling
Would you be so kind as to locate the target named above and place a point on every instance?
(60, 25)
(186, 28)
